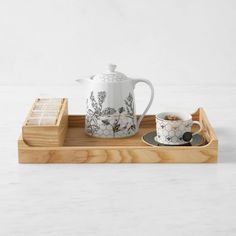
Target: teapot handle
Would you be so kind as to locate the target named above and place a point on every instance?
(135, 81)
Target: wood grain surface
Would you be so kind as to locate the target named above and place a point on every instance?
(47, 135)
(81, 148)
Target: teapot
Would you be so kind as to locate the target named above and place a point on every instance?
(111, 104)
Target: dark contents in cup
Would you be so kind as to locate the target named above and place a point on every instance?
(172, 117)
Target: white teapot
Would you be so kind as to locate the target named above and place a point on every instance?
(111, 106)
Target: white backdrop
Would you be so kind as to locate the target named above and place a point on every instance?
(169, 42)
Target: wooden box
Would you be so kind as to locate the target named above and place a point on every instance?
(46, 134)
(78, 147)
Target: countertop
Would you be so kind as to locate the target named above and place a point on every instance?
(119, 199)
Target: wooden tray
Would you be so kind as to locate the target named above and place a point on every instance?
(81, 148)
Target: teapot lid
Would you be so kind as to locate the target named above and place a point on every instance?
(110, 75)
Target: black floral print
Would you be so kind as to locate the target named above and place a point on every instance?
(129, 105)
(97, 113)
(101, 97)
(129, 102)
(108, 111)
(116, 126)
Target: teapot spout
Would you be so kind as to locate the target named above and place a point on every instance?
(83, 81)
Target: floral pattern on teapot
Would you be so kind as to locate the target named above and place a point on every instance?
(109, 122)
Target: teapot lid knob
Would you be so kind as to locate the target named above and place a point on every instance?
(111, 75)
(111, 67)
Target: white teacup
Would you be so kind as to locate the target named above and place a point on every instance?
(175, 132)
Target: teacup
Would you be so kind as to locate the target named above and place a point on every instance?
(177, 130)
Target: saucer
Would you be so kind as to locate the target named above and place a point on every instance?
(150, 139)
